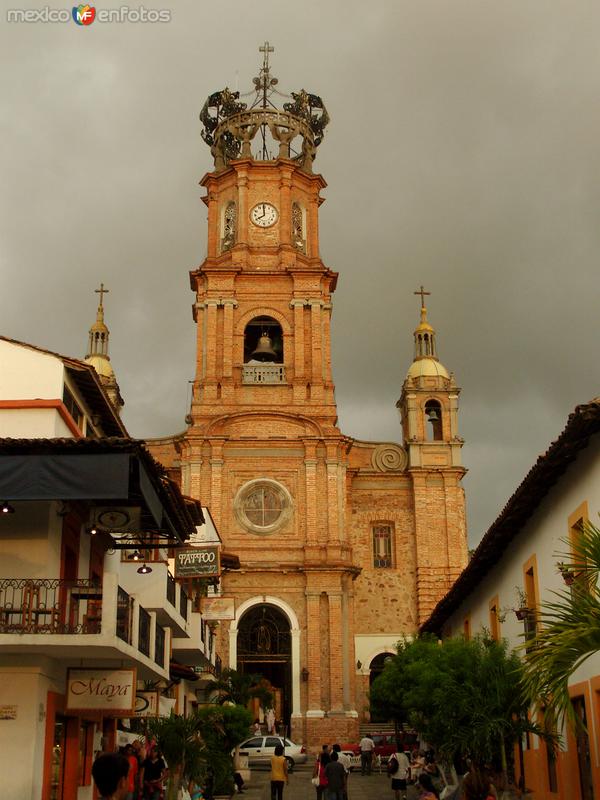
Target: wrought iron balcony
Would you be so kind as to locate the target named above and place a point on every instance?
(144, 632)
(50, 605)
(170, 589)
(263, 373)
(183, 603)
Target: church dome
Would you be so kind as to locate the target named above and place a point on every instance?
(427, 368)
(102, 365)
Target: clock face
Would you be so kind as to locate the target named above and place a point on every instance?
(264, 215)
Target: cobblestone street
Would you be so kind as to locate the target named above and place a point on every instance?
(367, 787)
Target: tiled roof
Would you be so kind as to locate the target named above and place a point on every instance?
(89, 384)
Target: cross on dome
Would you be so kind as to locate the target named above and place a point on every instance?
(101, 291)
(422, 292)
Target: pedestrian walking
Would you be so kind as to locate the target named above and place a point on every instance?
(367, 746)
(110, 773)
(426, 787)
(399, 770)
(152, 775)
(336, 778)
(319, 777)
(344, 760)
(132, 778)
(279, 773)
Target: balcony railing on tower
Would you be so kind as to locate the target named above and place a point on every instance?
(263, 373)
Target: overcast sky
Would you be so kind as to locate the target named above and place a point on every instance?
(463, 153)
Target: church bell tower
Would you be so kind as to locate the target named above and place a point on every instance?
(263, 294)
(344, 546)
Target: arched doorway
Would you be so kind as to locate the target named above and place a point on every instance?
(375, 669)
(264, 647)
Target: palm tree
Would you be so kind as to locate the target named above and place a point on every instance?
(241, 687)
(570, 631)
(184, 751)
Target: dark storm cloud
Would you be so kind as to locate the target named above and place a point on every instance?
(462, 154)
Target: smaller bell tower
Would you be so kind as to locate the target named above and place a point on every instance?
(429, 404)
(429, 412)
(98, 357)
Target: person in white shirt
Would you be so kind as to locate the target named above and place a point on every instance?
(399, 770)
(367, 746)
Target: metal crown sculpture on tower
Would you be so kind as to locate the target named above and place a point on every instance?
(231, 126)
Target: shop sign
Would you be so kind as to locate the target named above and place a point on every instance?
(111, 691)
(198, 562)
(218, 608)
(146, 704)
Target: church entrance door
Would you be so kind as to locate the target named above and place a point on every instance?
(264, 648)
(375, 670)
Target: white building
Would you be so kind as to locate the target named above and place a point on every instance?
(516, 565)
(81, 627)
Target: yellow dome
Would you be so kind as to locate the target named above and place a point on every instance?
(427, 368)
(102, 365)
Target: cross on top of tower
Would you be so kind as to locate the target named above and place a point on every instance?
(266, 48)
(101, 291)
(422, 292)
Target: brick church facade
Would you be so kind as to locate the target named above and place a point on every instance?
(345, 546)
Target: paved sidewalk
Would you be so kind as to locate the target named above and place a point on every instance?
(360, 787)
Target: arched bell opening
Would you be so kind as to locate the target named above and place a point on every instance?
(264, 647)
(263, 341)
(376, 667)
(433, 421)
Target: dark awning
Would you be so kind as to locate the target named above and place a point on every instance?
(102, 471)
(68, 477)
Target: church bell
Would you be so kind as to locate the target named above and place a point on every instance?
(264, 350)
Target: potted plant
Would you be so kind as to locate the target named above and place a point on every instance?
(522, 610)
(567, 573)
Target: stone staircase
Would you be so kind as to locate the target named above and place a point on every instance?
(376, 727)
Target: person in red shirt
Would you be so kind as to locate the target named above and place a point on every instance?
(132, 785)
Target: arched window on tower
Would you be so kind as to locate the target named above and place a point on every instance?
(229, 226)
(298, 228)
(433, 421)
(263, 351)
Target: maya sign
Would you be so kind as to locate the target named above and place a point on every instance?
(198, 562)
(109, 690)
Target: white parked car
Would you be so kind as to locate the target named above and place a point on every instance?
(261, 748)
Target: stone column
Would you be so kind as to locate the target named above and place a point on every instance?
(200, 341)
(298, 306)
(216, 470)
(336, 647)
(310, 470)
(211, 345)
(214, 227)
(228, 306)
(285, 225)
(243, 205)
(232, 647)
(332, 493)
(313, 646)
(296, 712)
(317, 341)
